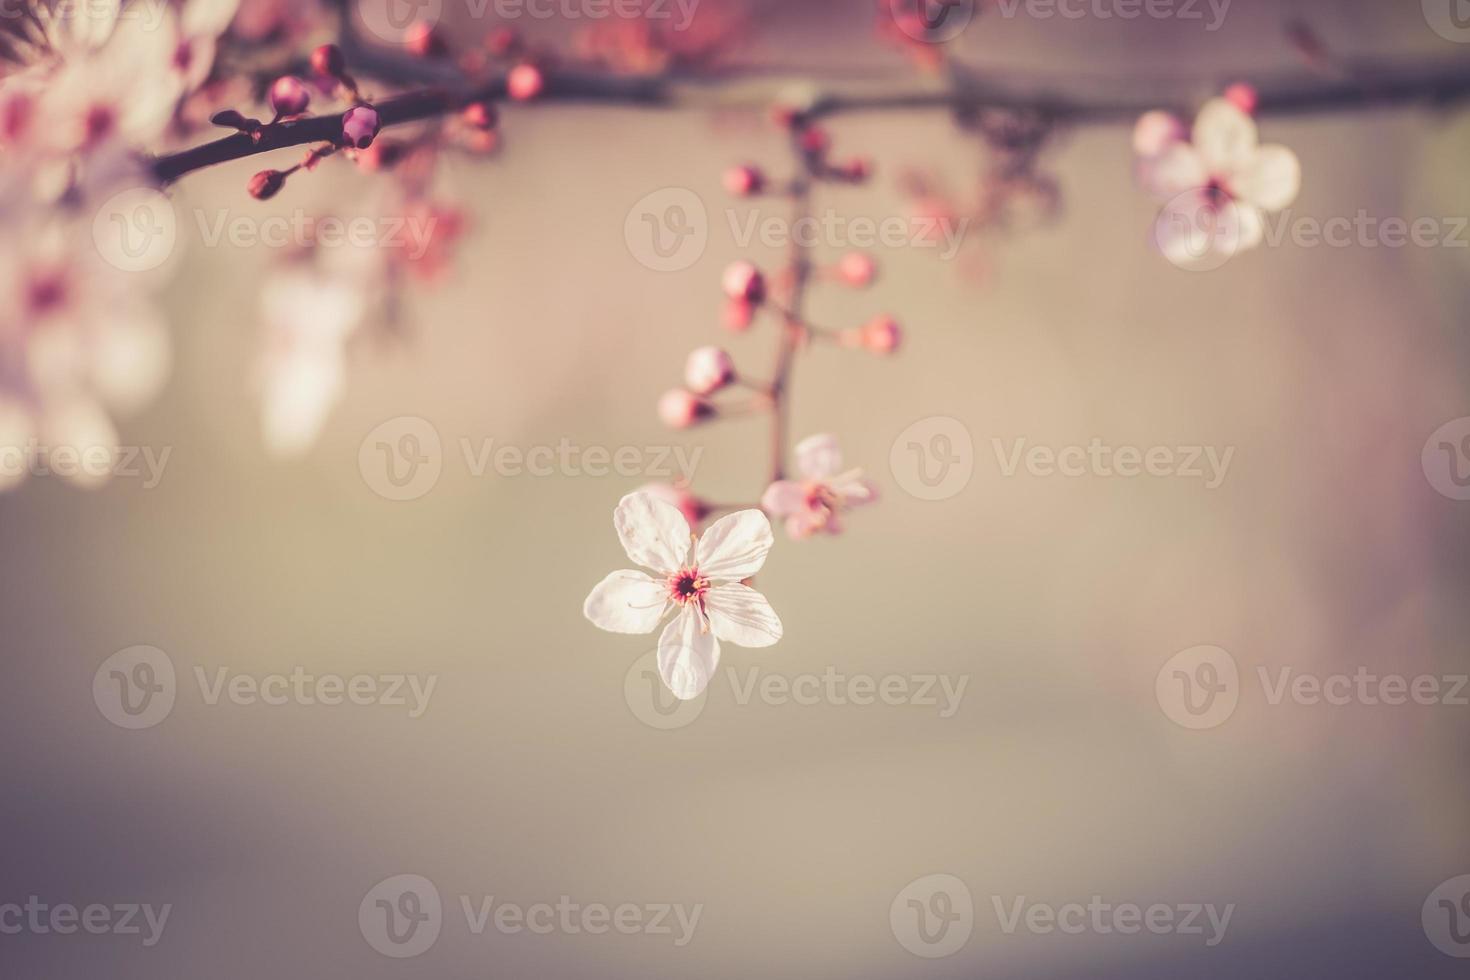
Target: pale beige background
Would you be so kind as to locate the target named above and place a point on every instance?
(1059, 600)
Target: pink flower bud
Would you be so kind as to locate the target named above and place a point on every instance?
(709, 369)
(1156, 131)
(744, 281)
(1244, 97)
(328, 60)
(423, 41)
(882, 335)
(480, 115)
(744, 181)
(693, 509)
(858, 169)
(814, 140)
(289, 97)
(360, 126)
(681, 409)
(266, 184)
(525, 82)
(739, 314)
(502, 41)
(857, 269)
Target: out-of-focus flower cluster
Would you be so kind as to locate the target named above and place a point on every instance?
(88, 83)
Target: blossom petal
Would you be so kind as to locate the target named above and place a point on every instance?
(654, 533)
(741, 615)
(1225, 137)
(783, 497)
(627, 602)
(735, 547)
(1193, 233)
(1250, 226)
(1271, 179)
(1180, 169)
(854, 489)
(208, 18)
(818, 457)
(687, 657)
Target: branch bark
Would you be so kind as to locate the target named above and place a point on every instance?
(1070, 100)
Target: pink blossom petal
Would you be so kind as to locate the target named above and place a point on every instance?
(627, 602)
(687, 657)
(783, 497)
(1178, 170)
(1225, 137)
(818, 457)
(735, 546)
(654, 533)
(739, 614)
(1271, 179)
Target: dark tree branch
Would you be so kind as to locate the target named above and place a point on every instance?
(1071, 100)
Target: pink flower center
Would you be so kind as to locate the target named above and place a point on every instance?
(822, 505)
(99, 123)
(685, 586)
(183, 56)
(1217, 194)
(45, 293)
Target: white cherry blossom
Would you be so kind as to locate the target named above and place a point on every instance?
(698, 580)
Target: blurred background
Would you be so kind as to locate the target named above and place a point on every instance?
(536, 772)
